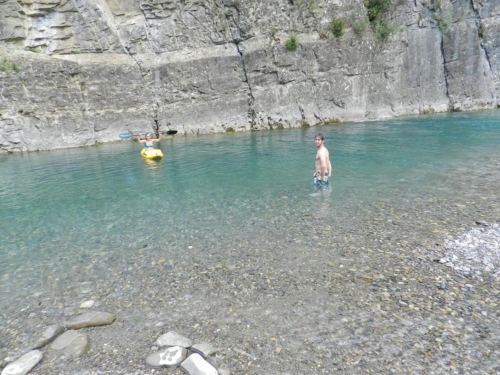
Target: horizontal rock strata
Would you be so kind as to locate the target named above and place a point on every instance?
(80, 73)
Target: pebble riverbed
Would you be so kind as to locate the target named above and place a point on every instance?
(407, 285)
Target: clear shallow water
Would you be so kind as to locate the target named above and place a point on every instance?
(63, 208)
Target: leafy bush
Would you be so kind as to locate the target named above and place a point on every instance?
(32, 49)
(382, 30)
(360, 27)
(436, 4)
(373, 13)
(291, 44)
(337, 28)
(443, 20)
(375, 8)
(5, 66)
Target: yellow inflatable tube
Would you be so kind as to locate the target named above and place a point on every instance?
(151, 153)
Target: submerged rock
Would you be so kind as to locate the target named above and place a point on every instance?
(50, 334)
(72, 343)
(24, 364)
(64, 340)
(78, 347)
(91, 319)
(87, 304)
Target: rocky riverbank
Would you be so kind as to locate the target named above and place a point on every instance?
(388, 306)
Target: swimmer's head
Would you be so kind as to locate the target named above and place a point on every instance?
(319, 136)
(148, 135)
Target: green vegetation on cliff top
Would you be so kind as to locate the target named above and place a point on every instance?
(376, 9)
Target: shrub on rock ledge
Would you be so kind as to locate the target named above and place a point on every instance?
(291, 44)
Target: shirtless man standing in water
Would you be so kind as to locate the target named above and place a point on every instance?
(323, 165)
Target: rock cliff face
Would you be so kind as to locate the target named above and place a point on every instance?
(77, 72)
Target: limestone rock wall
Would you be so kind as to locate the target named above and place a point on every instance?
(78, 72)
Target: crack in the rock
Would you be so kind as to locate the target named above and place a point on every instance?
(478, 25)
(445, 74)
(251, 98)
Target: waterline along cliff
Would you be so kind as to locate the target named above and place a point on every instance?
(79, 72)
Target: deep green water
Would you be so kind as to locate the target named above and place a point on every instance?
(62, 207)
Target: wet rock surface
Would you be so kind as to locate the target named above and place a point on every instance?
(24, 364)
(91, 319)
(73, 343)
(49, 335)
(301, 289)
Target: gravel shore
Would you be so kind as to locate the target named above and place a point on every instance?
(407, 285)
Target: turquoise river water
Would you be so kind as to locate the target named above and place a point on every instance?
(62, 208)
(78, 201)
(108, 196)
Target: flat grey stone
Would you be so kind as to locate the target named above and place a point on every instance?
(203, 349)
(91, 319)
(64, 340)
(174, 339)
(78, 347)
(224, 371)
(169, 357)
(196, 365)
(72, 343)
(24, 364)
(50, 334)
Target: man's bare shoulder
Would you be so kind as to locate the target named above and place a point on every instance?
(323, 152)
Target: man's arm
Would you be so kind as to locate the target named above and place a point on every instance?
(323, 163)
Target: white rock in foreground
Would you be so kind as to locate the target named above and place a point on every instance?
(169, 357)
(24, 364)
(196, 365)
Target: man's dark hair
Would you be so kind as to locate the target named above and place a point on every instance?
(320, 136)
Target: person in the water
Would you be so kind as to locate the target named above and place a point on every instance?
(149, 142)
(323, 165)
